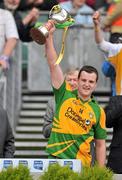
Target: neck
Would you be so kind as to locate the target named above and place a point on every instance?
(84, 98)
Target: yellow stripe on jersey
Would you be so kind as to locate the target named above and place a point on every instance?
(84, 152)
(116, 60)
(102, 119)
(61, 143)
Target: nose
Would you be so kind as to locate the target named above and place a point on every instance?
(72, 81)
(87, 83)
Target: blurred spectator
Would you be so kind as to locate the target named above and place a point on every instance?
(115, 26)
(8, 37)
(71, 77)
(77, 7)
(91, 3)
(116, 13)
(59, 1)
(114, 120)
(7, 147)
(41, 4)
(29, 4)
(112, 51)
(23, 25)
(102, 5)
(47, 5)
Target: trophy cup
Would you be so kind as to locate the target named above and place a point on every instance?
(41, 32)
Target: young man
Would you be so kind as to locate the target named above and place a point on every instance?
(71, 77)
(113, 52)
(78, 119)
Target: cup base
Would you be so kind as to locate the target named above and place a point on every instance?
(37, 36)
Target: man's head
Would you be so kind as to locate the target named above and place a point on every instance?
(116, 38)
(71, 76)
(78, 3)
(87, 81)
(11, 4)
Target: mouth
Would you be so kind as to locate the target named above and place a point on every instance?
(86, 89)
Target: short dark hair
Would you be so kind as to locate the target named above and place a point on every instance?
(89, 69)
(116, 38)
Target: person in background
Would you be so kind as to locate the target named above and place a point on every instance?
(91, 3)
(8, 37)
(29, 4)
(114, 15)
(71, 76)
(62, 1)
(7, 147)
(78, 119)
(113, 26)
(77, 7)
(114, 120)
(112, 52)
(40, 4)
(23, 24)
(102, 5)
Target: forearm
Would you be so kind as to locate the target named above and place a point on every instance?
(50, 51)
(101, 153)
(98, 34)
(97, 28)
(9, 46)
(55, 70)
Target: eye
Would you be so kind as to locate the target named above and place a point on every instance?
(84, 80)
(91, 82)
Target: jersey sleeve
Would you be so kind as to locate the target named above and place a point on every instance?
(59, 93)
(100, 127)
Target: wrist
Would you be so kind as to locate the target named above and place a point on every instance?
(4, 57)
(97, 28)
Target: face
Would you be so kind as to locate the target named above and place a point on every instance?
(12, 4)
(86, 84)
(78, 3)
(72, 79)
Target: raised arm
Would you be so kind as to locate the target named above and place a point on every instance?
(56, 73)
(97, 28)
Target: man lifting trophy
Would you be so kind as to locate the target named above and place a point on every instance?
(58, 17)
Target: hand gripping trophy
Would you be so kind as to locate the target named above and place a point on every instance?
(58, 17)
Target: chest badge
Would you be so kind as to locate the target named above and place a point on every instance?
(87, 122)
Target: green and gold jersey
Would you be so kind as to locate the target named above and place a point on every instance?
(75, 125)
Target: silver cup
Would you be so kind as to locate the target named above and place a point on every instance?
(56, 15)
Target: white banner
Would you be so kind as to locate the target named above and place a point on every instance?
(40, 165)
